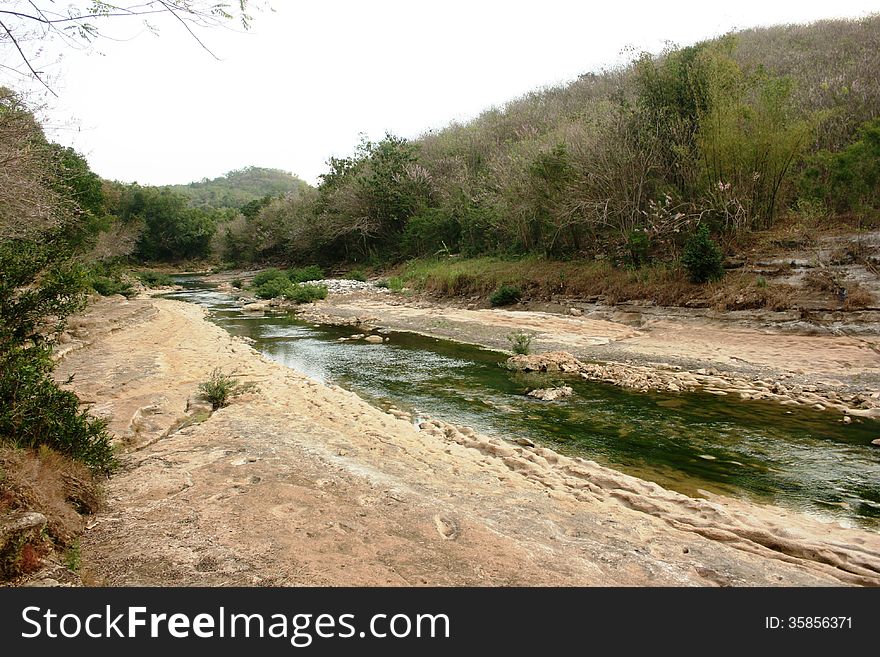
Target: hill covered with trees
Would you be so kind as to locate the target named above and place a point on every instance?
(237, 188)
(705, 143)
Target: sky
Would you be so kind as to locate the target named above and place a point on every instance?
(311, 76)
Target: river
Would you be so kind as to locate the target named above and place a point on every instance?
(690, 442)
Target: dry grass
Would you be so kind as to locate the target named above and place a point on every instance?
(48, 483)
(541, 279)
(746, 292)
(857, 297)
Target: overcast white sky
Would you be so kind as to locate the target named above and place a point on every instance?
(313, 75)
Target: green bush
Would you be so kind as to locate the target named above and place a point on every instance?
(702, 257)
(520, 343)
(357, 275)
(505, 295)
(107, 286)
(848, 179)
(274, 288)
(268, 275)
(637, 249)
(237, 283)
(310, 273)
(154, 278)
(306, 293)
(221, 388)
(35, 411)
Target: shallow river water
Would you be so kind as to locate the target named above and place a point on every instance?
(688, 442)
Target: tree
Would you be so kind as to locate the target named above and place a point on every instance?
(27, 25)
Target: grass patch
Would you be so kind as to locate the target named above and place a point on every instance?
(539, 278)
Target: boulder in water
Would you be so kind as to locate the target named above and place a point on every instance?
(552, 394)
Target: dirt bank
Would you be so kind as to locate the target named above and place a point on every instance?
(304, 484)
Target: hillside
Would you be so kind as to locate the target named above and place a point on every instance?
(765, 131)
(239, 187)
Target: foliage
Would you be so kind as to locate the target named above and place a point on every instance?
(237, 283)
(41, 283)
(154, 279)
(108, 278)
(35, 411)
(505, 295)
(395, 284)
(627, 162)
(847, 180)
(248, 190)
(305, 274)
(221, 388)
(702, 257)
(520, 342)
(267, 275)
(73, 557)
(638, 248)
(306, 293)
(172, 229)
(357, 275)
(108, 287)
(274, 288)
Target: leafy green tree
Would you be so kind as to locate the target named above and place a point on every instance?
(172, 229)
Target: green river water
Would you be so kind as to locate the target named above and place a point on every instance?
(802, 459)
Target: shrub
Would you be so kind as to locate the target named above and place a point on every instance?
(306, 293)
(520, 343)
(310, 273)
(357, 275)
(154, 278)
(382, 283)
(274, 288)
(267, 275)
(637, 248)
(505, 295)
(702, 257)
(848, 179)
(35, 411)
(221, 388)
(107, 286)
(237, 283)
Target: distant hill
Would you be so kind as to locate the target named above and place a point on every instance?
(236, 188)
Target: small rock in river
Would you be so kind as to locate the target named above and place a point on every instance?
(552, 394)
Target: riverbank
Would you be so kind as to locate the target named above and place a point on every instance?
(303, 484)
